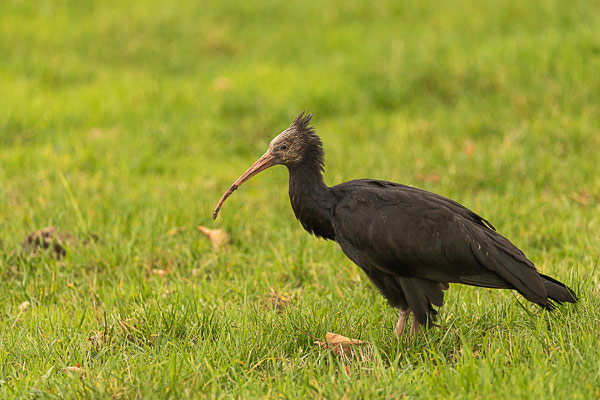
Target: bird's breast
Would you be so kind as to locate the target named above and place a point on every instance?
(314, 217)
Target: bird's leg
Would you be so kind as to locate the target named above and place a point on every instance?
(414, 327)
(404, 314)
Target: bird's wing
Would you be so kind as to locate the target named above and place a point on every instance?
(405, 231)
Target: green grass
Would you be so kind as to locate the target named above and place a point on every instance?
(126, 120)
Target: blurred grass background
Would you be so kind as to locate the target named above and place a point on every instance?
(149, 110)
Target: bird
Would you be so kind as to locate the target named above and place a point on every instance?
(410, 243)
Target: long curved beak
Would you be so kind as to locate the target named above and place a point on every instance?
(261, 164)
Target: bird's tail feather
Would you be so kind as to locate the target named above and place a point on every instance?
(421, 294)
(558, 291)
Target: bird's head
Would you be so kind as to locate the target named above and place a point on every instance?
(297, 145)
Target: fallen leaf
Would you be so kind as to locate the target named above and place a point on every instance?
(341, 345)
(159, 272)
(24, 305)
(583, 197)
(218, 237)
(469, 148)
(76, 369)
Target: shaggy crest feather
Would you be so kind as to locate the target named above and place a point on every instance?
(302, 121)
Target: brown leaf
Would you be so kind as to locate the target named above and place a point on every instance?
(160, 272)
(469, 148)
(583, 197)
(218, 237)
(341, 345)
(24, 306)
(76, 369)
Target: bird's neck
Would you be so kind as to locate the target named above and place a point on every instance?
(311, 198)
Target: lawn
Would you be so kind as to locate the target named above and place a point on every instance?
(122, 123)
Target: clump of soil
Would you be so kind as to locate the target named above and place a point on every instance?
(47, 239)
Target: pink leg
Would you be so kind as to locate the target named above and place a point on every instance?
(414, 327)
(404, 314)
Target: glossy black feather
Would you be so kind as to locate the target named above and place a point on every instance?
(411, 243)
(397, 230)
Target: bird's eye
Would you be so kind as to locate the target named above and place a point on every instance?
(283, 147)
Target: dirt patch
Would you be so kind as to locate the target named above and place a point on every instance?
(47, 239)
(50, 240)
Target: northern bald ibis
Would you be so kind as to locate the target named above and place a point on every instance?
(410, 242)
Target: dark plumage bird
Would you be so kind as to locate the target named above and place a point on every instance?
(411, 243)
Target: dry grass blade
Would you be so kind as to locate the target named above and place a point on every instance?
(97, 339)
(276, 300)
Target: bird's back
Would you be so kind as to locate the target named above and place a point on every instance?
(405, 231)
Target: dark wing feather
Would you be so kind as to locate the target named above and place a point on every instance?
(408, 232)
(436, 198)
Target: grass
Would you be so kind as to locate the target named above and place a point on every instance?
(126, 120)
